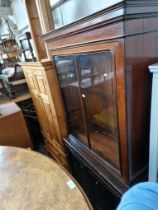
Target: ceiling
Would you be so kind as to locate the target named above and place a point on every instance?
(5, 3)
(5, 9)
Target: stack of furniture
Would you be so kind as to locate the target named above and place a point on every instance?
(10, 52)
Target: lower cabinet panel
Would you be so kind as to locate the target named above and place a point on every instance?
(100, 197)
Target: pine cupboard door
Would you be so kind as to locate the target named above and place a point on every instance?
(44, 103)
(40, 82)
(38, 101)
(37, 83)
(32, 84)
(41, 116)
(31, 80)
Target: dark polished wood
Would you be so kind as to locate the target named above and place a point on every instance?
(129, 30)
(91, 160)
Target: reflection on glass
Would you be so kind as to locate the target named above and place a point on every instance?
(66, 72)
(98, 94)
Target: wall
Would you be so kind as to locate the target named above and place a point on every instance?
(72, 10)
(19, 13)
(3, 29)
(17, 18)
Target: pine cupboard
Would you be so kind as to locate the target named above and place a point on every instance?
(46, 98)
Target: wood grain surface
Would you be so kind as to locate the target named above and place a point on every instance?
(30, 180)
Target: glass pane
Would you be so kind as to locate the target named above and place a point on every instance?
(66, 72)
(98, 94)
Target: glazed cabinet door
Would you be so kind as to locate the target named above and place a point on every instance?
(98, 90)
(69, 85)
(92, 85)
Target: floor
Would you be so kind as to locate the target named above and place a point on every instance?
(21, 96)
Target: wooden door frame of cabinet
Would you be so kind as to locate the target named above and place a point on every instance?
(115, 46)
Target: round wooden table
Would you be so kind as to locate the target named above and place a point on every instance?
(31, 181)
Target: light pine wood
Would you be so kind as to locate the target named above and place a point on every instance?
(45, 16)
(33, 181)
(36, 31)
(44, 89)
(11, 133)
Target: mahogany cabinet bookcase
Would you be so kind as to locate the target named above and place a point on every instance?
(101, 62)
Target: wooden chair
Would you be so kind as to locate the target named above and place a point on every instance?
(16, 80)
